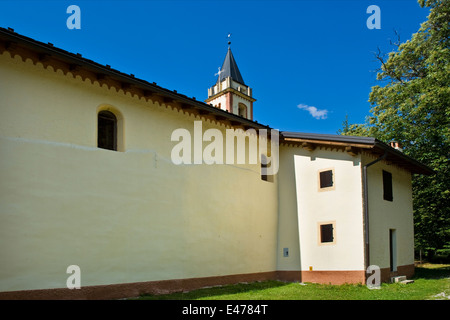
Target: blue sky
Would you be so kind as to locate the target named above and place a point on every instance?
(295, 54)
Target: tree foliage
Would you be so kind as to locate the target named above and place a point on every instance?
(413, 107)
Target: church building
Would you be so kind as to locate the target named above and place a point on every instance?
(94, 207)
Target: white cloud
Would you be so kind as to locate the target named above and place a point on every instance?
(316, 113)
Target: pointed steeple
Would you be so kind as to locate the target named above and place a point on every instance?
(230, 69)
(230, 92)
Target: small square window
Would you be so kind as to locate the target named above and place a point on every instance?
(326, 179)
(326, 233)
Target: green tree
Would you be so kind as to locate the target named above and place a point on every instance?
(413, 107)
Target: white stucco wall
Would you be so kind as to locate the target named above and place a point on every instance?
(342, 205)
(288, 236)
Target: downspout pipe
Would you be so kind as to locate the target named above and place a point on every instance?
(366, 207)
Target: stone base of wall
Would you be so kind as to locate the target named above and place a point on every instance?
(334, 277)
(126, 290)
(359, 276)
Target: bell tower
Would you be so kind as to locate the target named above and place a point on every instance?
(230, 92)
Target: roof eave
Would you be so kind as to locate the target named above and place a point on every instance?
(8, 37)
(352, 143)
(397, 157)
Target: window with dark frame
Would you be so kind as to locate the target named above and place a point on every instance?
(326, 179)
(387, 186)
(107, 130)
(326, 233)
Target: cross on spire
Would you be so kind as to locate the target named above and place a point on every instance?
(218, 74)
(229, 67)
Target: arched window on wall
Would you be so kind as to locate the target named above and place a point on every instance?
(107, 130)
(242, 110)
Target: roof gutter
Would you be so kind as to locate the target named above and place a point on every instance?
(366, 208)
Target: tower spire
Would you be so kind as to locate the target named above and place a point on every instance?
(230, 68)
(230, 92)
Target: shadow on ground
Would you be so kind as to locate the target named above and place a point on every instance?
(432, 273)
(216, 291)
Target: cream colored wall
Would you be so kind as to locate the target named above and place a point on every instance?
(121, 216)
(220, 99)
(237, 85)
(229, 83)
(385, 215)
(236, 100)
(288, 236)
(341, 205)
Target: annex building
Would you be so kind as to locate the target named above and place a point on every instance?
(87, 179)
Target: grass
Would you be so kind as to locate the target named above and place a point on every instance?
(431, 282)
